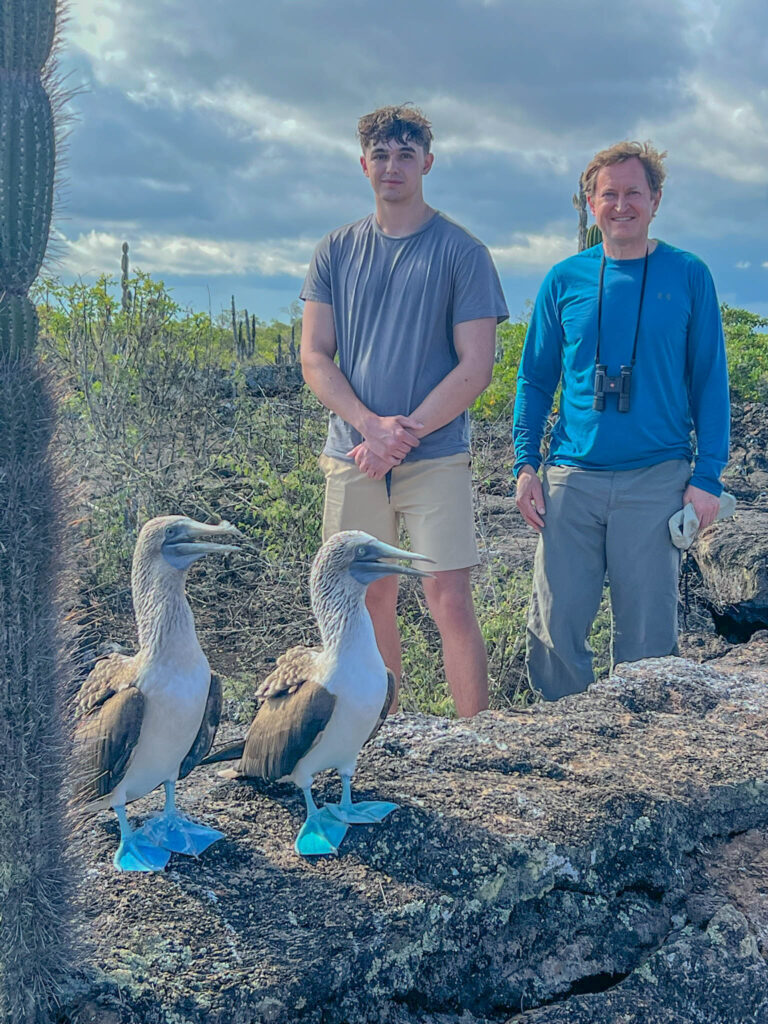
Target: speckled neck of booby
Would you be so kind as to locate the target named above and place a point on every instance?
(338, 602)
(160, 603)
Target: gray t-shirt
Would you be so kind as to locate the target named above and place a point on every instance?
(395, 304)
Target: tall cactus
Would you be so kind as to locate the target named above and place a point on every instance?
(34, 949)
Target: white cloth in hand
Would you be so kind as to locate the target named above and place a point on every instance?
(684, 525)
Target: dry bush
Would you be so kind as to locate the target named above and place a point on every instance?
(152, 424)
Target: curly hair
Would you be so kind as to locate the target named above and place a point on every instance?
(403, 123)
(651, 159)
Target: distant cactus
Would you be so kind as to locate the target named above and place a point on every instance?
(244, 335)
(245, 341)
(124, 267)
(579, 201)
(594, 236)
(35, 952)
(251, 332)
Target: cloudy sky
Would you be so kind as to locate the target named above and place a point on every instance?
(218, 139)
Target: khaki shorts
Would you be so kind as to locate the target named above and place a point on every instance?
(432, 498)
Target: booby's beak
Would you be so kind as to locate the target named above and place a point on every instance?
(185, 541)
(366, 566)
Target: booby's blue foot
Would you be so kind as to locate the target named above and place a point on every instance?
(321, 833)
(366, 812)
(172, 832)
(135, 853)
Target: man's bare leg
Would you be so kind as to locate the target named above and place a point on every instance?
(449, 597)
(381, 601)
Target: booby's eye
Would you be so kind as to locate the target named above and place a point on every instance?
(169, 531)
(362, 551)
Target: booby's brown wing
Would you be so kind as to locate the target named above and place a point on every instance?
(294, 713)
(108, 676)
(207, 732)
(110, 709)
(391, 686)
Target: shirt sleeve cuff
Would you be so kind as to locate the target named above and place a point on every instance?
(705, 482)
(528, 460)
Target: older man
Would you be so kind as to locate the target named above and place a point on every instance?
(631, 329)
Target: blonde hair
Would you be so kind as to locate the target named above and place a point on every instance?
(651, 159)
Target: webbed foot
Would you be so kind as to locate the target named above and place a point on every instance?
(365, 812)
(181, 835)
(321, 833)
(136, 853)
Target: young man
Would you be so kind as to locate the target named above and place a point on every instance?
(409, 301)
(632, 330)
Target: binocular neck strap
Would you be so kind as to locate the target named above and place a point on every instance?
(600, 307)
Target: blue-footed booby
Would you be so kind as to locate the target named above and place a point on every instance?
(149, 719)
(321, 704)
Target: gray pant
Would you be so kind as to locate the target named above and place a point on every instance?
(598, 522)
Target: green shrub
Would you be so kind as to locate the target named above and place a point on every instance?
(747, 354)
(600, 638)
(152, 323)
(497, 400)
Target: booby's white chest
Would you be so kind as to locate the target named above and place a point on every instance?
(357, 677)
(175, 685)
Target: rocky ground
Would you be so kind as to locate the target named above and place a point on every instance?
(603, 859)
(600, 859)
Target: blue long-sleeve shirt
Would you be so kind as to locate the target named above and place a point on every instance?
(680, 379)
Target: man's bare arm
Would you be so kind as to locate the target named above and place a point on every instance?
(387, 436)
(475, 344)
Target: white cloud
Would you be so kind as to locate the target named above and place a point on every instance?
(533, 252)
(93, 26)
(98, 252)
(208, 121)
(262, 116)
(463, 128)
(270, 121)
(164, 186)
(724, 134)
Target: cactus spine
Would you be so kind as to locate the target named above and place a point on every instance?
(35, 952)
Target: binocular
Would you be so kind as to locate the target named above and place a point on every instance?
(605, 385)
